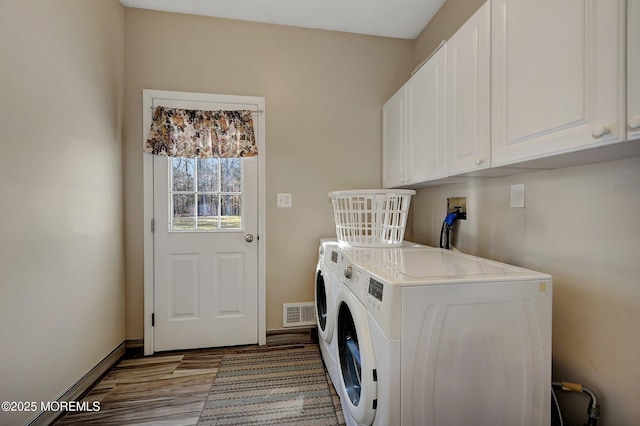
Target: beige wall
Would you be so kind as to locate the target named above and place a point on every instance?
(61, 230)
(323, 91)
(579, 224)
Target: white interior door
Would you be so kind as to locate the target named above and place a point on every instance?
(205, 247)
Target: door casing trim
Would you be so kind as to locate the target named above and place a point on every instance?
(148, 95)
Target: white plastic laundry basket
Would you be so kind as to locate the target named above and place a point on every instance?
(371, 217)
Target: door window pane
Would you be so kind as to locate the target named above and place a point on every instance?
(231, 212)
(205, 194)
(183, 173)
(183, 205)
(208, 174)
(231, 174)
(208, 216)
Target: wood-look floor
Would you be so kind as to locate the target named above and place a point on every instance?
(168, 388)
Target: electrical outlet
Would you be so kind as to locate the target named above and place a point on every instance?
(284, 200)
(458, 204)
(517, 195)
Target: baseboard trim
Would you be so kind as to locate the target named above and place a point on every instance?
(135, 344)
(82, 386)
(274, 335)
(291, 330)
(135, 348)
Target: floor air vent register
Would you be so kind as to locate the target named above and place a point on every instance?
(298, 314)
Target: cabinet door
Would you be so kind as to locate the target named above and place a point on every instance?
(426, 120)
(468, 86)
(394, 139)
(556, 85)
(633, 69)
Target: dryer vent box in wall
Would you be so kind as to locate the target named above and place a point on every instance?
(457, 204)
(298, 314)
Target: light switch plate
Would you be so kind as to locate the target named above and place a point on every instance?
(285, 200)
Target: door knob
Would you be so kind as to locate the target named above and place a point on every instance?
(248, 238)
(634, 122)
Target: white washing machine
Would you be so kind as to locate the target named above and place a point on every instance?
(430, 337)
(327, 287)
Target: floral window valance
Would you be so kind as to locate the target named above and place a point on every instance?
(196, 133)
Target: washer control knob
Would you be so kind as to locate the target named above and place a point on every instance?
(348, 272)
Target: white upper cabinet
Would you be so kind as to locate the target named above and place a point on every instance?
(633, 69)
(414, 127)
(426, 120)
(468, 100)
(521, 83)
(556, 77)
(394, 139)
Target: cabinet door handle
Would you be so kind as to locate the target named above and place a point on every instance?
(634, 122)
(479, 161)
(600, 131)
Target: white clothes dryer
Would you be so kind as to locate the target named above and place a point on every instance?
(327, 287)
(442, 338)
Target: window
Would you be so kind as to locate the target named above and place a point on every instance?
(205, 194)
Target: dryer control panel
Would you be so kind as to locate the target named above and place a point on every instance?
(376, 288)
(381, 299)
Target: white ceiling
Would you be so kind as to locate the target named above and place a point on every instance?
(388, 18)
